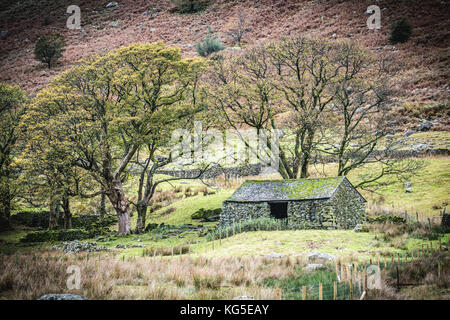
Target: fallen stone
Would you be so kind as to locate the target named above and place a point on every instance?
(315, 255)
(314, 267)
(62, 296)
(3, 34)
(243, 298)
(274, 255)
(112, 4)
(409, 133)
(77, 246)
(426, 126)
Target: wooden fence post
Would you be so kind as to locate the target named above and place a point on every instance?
(303, 293)
(338, 276)
(359, 280)
(320, 291)
(351, 289)
(335, 290)
(278, 294)
(364, 280)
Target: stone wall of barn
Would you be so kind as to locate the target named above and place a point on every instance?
(312, 212)
(237, 211)
(349, 208)
(344, 210)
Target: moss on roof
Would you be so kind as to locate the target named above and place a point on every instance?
(298, 189)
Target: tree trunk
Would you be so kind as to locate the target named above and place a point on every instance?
(67, 213)
(5, 204)
(142, 213)
(122, 207)
(53, 220)
(102, 206)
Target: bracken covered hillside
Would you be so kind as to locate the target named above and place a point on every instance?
(424, 59)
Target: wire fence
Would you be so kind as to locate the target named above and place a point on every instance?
(354, 280)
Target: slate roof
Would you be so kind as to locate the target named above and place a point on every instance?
(276, 190)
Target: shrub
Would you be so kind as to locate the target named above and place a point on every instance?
(190, 6)
(401, 31)
(40, 219)
(56, 235)
(4, 224)
(49, 48)
(260, 224)
(386, 219)
(32, 219)
(203, 213)
(210, 44)
(165, 250)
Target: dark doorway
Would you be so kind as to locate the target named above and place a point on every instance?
(278, 210)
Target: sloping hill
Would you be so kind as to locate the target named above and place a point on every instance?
(424, 59)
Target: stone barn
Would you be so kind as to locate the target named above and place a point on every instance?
(327, 202)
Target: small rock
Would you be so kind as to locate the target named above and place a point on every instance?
(274, 255)
(408, 190)
(426, 126)
(315, 255)
(243, 298)
(62, 296)
(409, 133)
(358, 228)
(408, 184)
(445, 220)
(112, 4)
(3, 34)
(314, 267)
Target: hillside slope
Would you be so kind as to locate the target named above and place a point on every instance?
(424, 59)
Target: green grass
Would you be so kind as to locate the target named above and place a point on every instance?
(341, 243)
(186, 207)
(430, 187)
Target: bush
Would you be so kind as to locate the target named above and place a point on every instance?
(384, 218)
(4, 224)
(190, 6)
(56, 235)
(203, 213)
(64, 235)
(260, 224)
(32, 219)
(401, 31)
(49, 48)
(40, 219)
(210, 44)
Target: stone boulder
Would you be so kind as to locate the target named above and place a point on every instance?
(320, 256)
(425, 126)
(274, 255)
(314, 267)
(445, 220)
(243, 298)
(62, 296)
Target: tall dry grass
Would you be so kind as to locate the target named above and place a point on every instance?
(104, 276)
